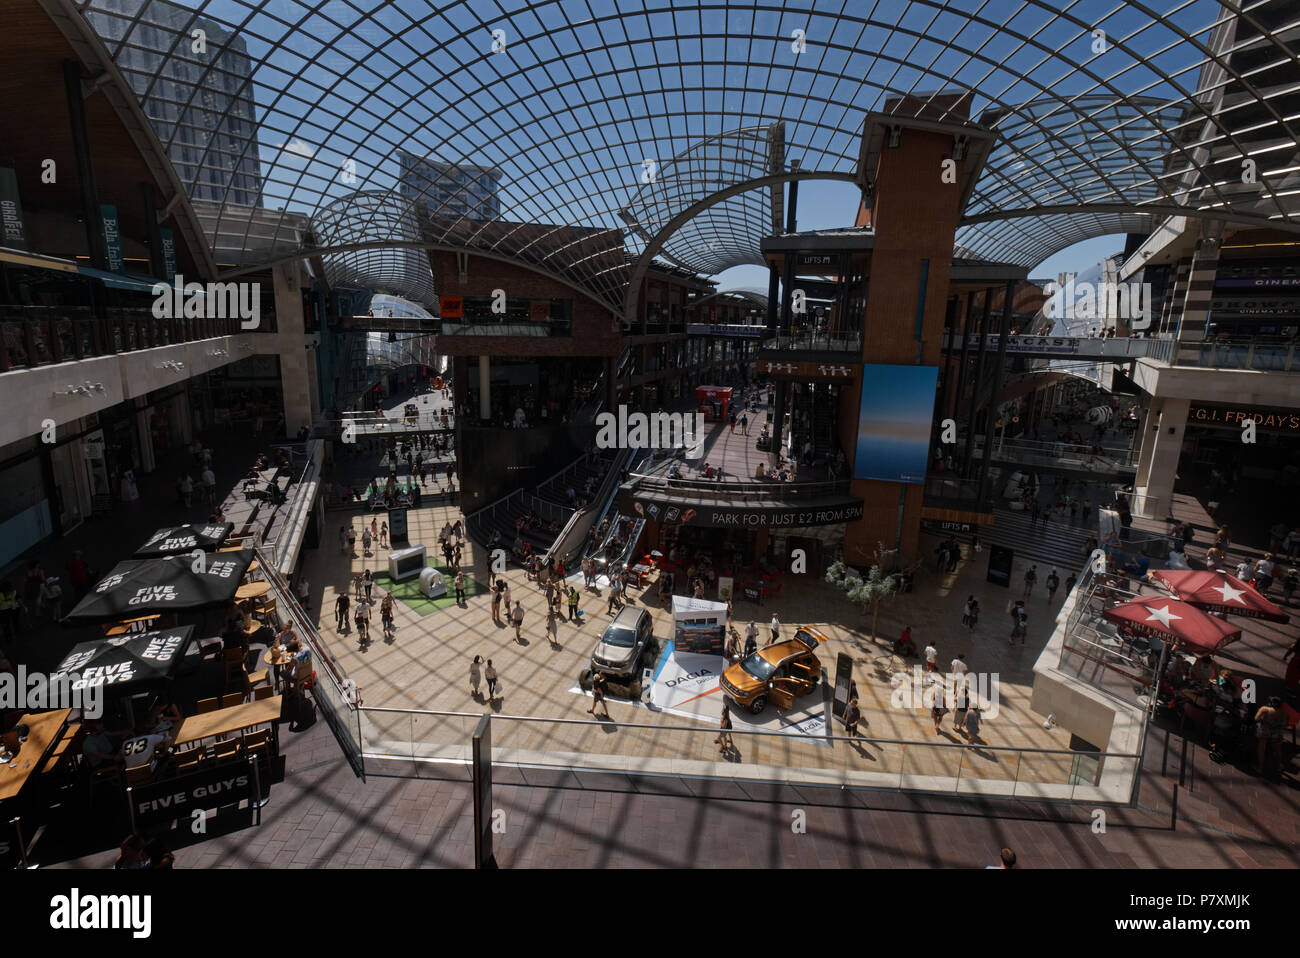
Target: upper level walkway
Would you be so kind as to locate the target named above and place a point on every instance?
(1072, 347)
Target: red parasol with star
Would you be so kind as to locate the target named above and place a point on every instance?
(1218, 592)
(1175, 621)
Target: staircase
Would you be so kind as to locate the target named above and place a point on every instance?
(1050, 542)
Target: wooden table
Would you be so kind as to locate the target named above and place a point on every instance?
(129, 625)
(195, 728)
(43, 732)
(252, 590)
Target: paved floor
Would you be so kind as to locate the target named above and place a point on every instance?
(322, 816)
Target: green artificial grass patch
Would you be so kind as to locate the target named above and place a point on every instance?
(408, 591)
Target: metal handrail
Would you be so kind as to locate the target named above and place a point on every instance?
(710, 728)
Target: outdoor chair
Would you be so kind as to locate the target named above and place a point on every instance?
(207, 705)
(232, 699)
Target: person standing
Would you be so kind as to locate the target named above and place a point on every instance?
(366, 539)
(496, 602)
(598, 694)
(362, 619)
(475, 675)
(1289, 586)
(573, 604)
(367, 582)
(343, 539)
(352, 542)
(931, 658)
(959, 670)
(965, 610)
(972, 614)
(386, 614)
(490, 675)
(751, 639)
(459, 583)
(341, 610)
(383, 533)
(1053, 583)
(744, 424)
(1070, 580)
(505, 596)
(517, 618)
(613, 595)
(1031, 576)
(775, 626)
(971, 724)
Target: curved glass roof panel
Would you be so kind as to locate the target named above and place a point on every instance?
(576, 135)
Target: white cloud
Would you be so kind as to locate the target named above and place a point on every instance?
(299, 148)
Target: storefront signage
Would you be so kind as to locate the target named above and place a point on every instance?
(738, 330)
(451, 307)
(744, 517)
(539, 310)
(112, 236)
(178, 797)
(1255, 306)
(1287, 420)
(12, 233)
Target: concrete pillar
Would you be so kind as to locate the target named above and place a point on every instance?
(484, 387)
(289, 342)
(143, 412)
(1156, 495)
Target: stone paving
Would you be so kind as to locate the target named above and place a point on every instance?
(425, 666)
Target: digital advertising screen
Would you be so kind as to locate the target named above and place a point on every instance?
(894, 422)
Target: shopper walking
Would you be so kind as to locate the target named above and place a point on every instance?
(352, 542)
(1053, 583)
(475, 676)
(852, 716)
(383, 534)
(931, 658)
(496, 602)
(1031, 576)
(724, 730)
(367, 582)
(490, 675)
(341, 611)
(343, 539)
(386, 614)
(751, 639)
(775, 626)
(517, 618)
(971, 726)
(459, 582)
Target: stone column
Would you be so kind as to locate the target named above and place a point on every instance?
(288, 340)
(484, 387)
(1162, 468)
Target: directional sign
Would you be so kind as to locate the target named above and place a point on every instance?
(808, 370)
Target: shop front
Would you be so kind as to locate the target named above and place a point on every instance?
(1217, 450)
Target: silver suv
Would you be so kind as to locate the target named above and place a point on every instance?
(621, 644)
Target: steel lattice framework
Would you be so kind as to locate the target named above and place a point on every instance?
(580, 136)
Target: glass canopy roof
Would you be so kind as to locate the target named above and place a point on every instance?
(581, 135)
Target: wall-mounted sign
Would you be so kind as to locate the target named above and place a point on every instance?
(814, 259)
(741, 517)
(807, 370)
(176, 798)
(1283, 420)
(539, 310)
(112, 236)
(168, 239)
(1255, 306)
(451, 307)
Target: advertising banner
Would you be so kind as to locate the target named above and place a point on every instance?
(112, 236)
(168, 253)
(12, 232)
(174, 798)
(894, 420)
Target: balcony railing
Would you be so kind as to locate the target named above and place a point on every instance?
(33, 336)
(833, 341)
(1241, 354)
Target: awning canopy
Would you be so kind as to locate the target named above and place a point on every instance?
(1218, 592)
(1176, 621)
(137, 284)
(140, 586)
(186, 538)
(123, 663)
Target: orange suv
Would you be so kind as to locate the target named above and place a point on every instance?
(780, 673)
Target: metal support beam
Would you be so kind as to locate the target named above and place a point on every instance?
(95, 244)
(999, 371)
